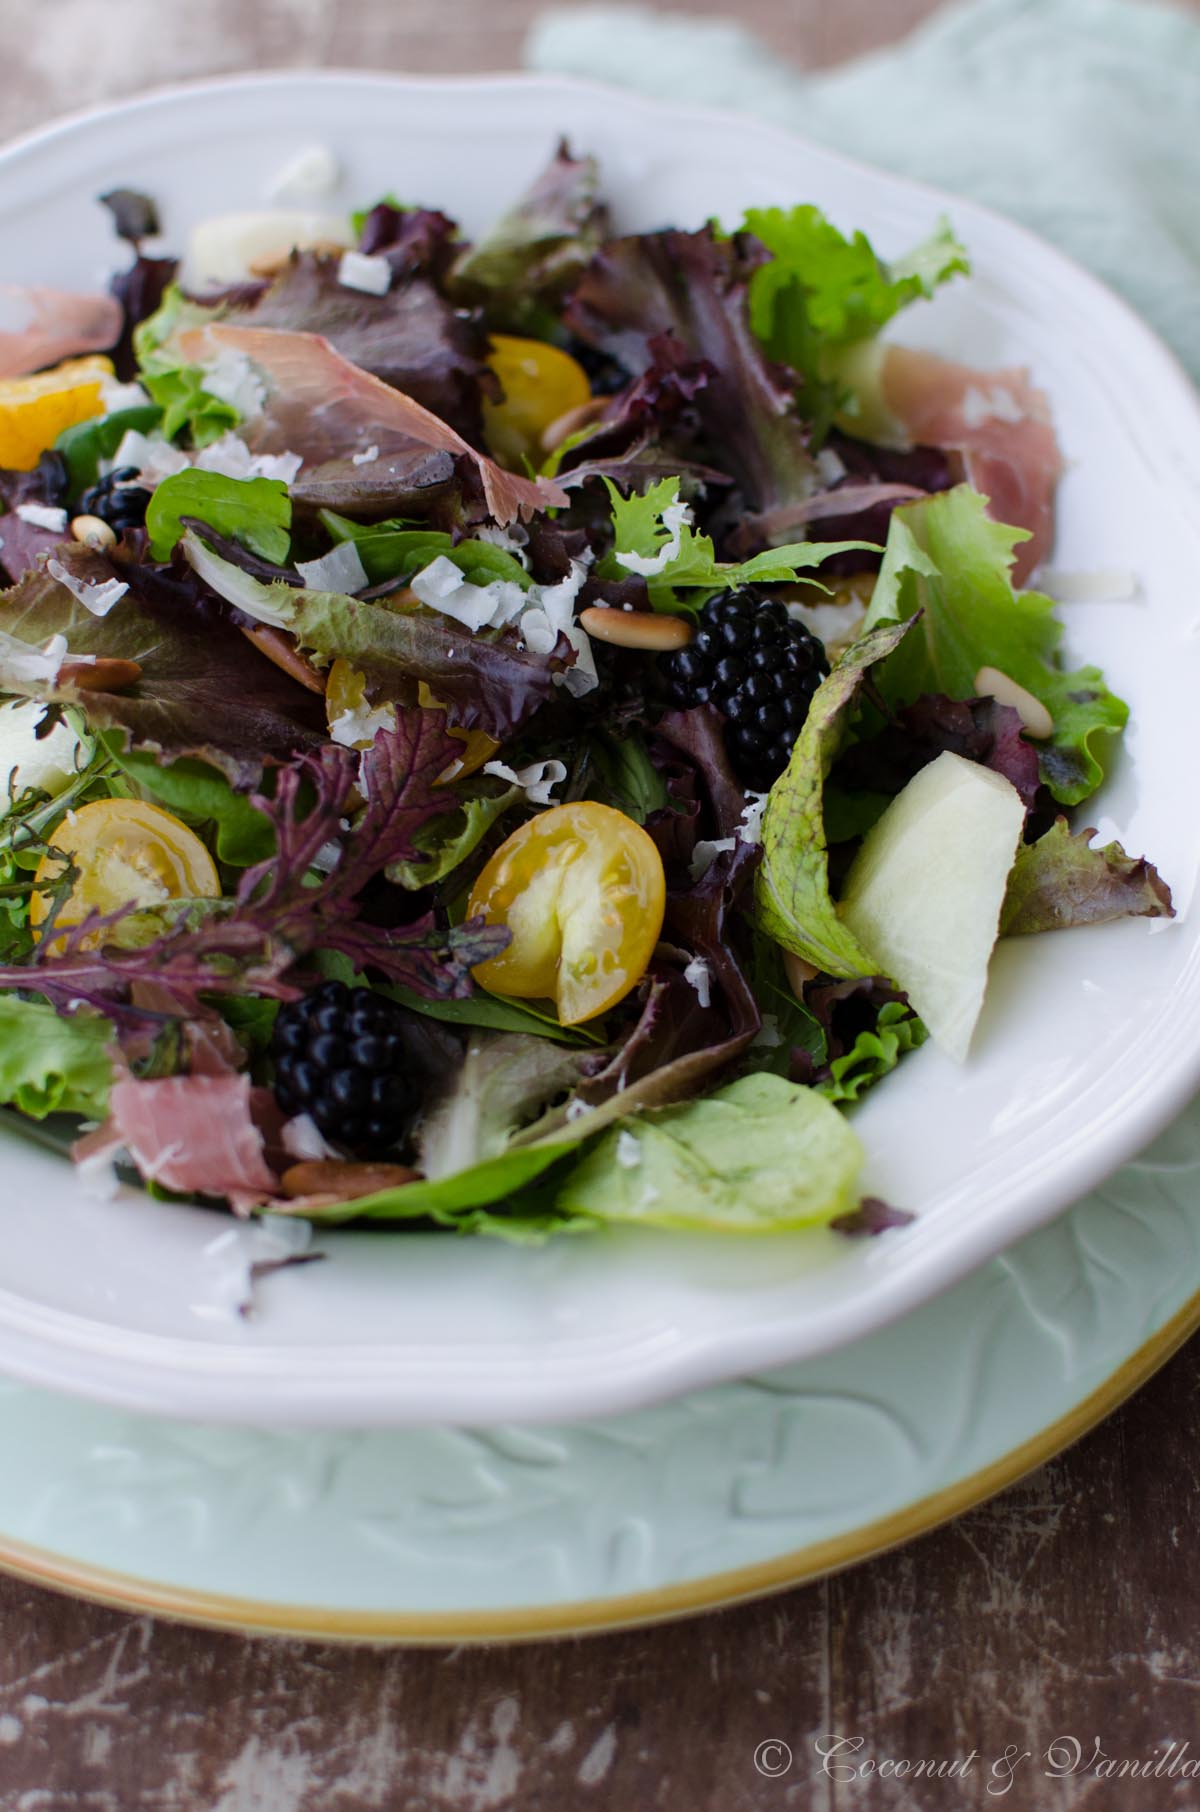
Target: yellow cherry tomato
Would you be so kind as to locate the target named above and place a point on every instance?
(478, 746)
(128, 853)
(353, 721)
(35, 410)
(541, 382)
(581, 888)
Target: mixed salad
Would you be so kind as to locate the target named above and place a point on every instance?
(519, 735)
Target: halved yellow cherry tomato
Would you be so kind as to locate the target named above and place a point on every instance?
(478, 746)
(582, 890)
(35, 410)
(541, 382)
(128, 853)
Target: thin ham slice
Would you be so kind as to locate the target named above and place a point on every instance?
(1000, 426)
(41, 326)
(196, 1134)
(321, 406)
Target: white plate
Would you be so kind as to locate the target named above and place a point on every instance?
(1089, 1041)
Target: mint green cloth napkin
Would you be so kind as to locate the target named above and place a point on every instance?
(1079, 117)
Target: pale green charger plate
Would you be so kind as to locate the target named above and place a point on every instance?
(442, 1535)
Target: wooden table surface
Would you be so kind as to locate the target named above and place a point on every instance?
(1068, 1607)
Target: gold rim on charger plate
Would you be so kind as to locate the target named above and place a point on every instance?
(248, 1616)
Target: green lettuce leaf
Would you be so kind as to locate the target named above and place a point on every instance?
(493, 1013)
(203, 798)
(653, 538)
(52, 1065)
(821, 292)
(396, 549)
(448, 841)
(759, 1156)
(947, 559)
(1061, 880)
(792, 901)
(896, 1032)
(255, 511)
(620, 773)
(178, 388)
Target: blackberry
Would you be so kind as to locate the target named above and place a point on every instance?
(338, 1055)
(116, 501)
(760, 668)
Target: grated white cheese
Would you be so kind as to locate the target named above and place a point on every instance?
(311, 175)
(512, 539)
(301, 1138)
(42, 515)
(95, 595)
(230, 377)
(750, 828)
(698, 975)
(21, 664)
(768, 1035)
(151, 455)
(366, 458)
(232, 458)
(542, 613)
(576, 1110)
(553, 615)
(356, 728)
(675, 517)
(116, 396)
(829, 467)
(629, 1150)
(341, 570)
(706, 852)
(441, 586)
(536, 780)
(371, 275)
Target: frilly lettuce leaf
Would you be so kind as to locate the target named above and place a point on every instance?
(1061, 880)
(821, 292)
(947, 559)
(873, 1053)
(759, 1156)
(654, 539)
(792, 901)
(447, 843)
(535, 250)
(488, 681)
(50, 1064)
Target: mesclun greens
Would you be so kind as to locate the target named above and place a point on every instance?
(588, 645)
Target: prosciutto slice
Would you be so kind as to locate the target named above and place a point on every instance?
(321, 406)
(41, 326)
(1000, 426)
(192, 1133)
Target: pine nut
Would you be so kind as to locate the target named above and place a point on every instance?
(991, 683)
(342, 1180)
(93, 531)
(581, 416)
(107, 673)
(280, 647)
(635, 628)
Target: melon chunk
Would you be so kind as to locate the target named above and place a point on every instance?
(926, 888)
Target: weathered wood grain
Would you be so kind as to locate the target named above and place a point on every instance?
(1067, 1607)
